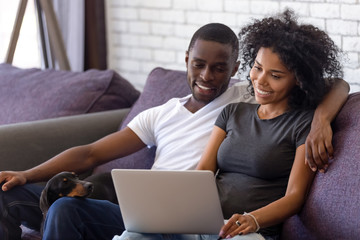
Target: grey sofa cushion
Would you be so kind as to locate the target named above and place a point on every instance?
(35, 94)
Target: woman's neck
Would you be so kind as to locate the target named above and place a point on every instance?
(269, 112)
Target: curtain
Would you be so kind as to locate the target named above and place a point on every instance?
(95, 35)
(83, 29)
(70, 15)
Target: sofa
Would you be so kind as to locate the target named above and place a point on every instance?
(332, 209)
(29, 95)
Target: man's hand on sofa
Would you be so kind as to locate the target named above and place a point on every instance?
(10, 179)
(318, 146)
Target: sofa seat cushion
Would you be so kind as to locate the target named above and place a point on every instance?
(35, 94)
(332, 209)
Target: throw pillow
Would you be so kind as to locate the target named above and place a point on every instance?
(34, 94)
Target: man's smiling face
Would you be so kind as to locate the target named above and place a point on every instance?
(210, 65)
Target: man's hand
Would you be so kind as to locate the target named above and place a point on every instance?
(11, 179)
(318, 146)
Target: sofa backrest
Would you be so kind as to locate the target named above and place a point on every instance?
(36, 94)
(332, 210)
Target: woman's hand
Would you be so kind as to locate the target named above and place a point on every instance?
(11, 179)
(238, 224)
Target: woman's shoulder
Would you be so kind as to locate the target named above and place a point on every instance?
(301, 116)
(241, 106)
(304, 112)
(234, 110)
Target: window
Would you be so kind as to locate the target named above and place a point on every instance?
(27, 53)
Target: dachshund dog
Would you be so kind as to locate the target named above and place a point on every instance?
(67, 184)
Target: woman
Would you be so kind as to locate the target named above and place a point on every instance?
(258, 150)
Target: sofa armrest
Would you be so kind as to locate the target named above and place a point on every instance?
(25, 145)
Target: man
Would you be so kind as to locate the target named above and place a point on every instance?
(211, 61)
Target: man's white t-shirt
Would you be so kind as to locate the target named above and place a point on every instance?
(179, 135)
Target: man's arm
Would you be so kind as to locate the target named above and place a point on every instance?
(77, 159)
(318, 146)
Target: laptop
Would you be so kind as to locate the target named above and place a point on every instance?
(153, 201)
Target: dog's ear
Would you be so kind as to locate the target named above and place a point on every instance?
(44, 203)
(47, 198)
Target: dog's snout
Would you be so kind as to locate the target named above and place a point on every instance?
(89, 186)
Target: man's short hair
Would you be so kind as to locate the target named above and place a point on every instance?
(217, 32)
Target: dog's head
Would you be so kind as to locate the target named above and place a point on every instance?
(64, 184)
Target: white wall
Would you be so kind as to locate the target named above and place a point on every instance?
(143, 34)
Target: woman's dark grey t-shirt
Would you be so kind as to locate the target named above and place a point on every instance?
(256, 157)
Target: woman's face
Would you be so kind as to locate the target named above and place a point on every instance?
(271, 80)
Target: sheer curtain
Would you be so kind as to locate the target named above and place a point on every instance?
(71, 18)
(74, 27)
(82, 24)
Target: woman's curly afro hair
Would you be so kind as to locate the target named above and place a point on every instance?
(305, 50)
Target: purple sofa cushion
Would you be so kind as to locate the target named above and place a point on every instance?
(34, 94)
(161, 85)
(332, 210)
